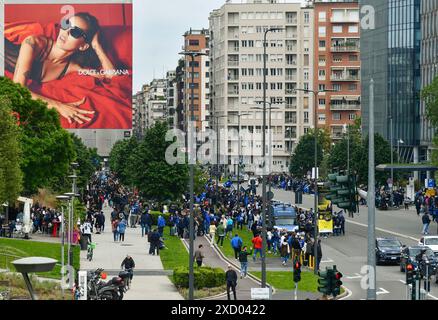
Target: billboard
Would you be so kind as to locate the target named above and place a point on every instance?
(76, 56)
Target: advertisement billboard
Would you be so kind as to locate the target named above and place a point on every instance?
(76, 56)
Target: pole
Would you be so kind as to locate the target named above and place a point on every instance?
(348, 150)
(62, 248)
(191, 233)
(315, 210)
(270, 147)
(217, 152)
(392, 161)
(238, 162)
(264, 166)
(371, 291)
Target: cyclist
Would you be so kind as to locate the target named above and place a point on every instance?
(129, 265)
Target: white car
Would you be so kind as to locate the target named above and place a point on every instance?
(431, 242)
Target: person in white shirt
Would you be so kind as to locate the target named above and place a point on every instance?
(86, 230)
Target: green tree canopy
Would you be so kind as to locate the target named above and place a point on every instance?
(303, 158)
(11, 176)
(47, 149)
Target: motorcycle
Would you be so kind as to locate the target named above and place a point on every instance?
(126, 277)
(101, 290)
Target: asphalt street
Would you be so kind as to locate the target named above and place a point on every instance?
(349, 252)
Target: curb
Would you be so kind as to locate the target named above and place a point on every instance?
(348, 293)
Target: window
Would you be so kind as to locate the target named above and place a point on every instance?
(193, 42)
(306, 117)
(244, 86)
(251, 43)
(194, 64)
(306, 75)
(337, 58)
(251, 86)
(337, 29)
(321, 74)
(244, 72)
(244, 43)
(321, 117)
(321, 102)
(207, 63)
(352, 116)
(258, 86)
(250, 72)
(321, 87)
(322, 44)
(207, 74)
(322, 31)
(353, 57)
(337, 87)
(352, 87)
(322, 16)
(353, 29)
(322, 61)
(336, 116)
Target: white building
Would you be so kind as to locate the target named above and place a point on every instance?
(236, 75)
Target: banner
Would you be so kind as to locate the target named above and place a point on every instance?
(325, 226)
(75, 57)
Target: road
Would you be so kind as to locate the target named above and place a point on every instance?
(349, 252)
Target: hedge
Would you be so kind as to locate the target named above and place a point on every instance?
(205, 277)
(155, 214)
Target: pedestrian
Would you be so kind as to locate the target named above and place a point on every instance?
(284, 251)
(220, 234)
(155, 242)
(319, 252)
(128, 264)
(212, 232)
(114, 226)
(243, 259)
(161, 224)
(230, 224)
(231, 278)
(86, 230)
(199, 256)
(426, 222)
(257, 244)
(121, 229)
(341, 220)
(236, 244)
(144, 223)
(296, 248)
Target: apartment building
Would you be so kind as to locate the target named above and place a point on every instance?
(236, 76)
(139, 110)
(197, 41)
(337, 64)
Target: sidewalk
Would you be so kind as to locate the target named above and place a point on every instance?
(243, 289)
(150, 281)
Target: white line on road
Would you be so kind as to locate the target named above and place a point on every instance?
(327, 261)
(382, 291)
(402, 281)
(357, 276)
(383, 230)
(433, 297)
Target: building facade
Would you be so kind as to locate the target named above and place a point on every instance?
(197, 41)
(337, 64)
(429, 62)
(391, 55)
(139, 111)
(236, 44)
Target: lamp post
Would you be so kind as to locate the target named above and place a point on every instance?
(315, 213)
(217, 149)
(192, 55)
(62, 198)
(239, 155)
(347, 131)
(392, 159)
(264, 206)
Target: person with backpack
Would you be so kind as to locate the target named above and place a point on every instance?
(236, 244)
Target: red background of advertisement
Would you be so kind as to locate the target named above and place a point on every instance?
(107, 14)
(112, 18)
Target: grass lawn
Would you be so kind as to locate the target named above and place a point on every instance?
(175, 254)
(13, 249)
(246, 236)
(283, 280)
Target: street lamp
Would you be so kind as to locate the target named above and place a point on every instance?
(239, 115)
(264, 206)
(62, 198)
(315, 213)
(192, 55)
(217, 148)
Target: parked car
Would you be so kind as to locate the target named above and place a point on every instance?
(431, 242)
(409, 255)
(388, 250)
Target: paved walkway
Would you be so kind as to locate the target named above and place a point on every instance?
(150, 282)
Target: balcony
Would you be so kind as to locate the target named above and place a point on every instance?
(291, 62)
(233, 78)
(347, 47)
(291, 20)
(345, 107)
(345, 77)
(291, 106)
(233, 49)
(290, 91)
(291, 78)
(233, 92)
(233, 63)
(291, 48)
(291, 35)
(337, 135)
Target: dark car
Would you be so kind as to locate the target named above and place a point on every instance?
(388, 250)
(409, 255)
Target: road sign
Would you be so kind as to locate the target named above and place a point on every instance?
(261, 293)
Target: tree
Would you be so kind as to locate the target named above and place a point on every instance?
(303, 158)
(47, 149)
(430, 96)
(11, 176)
(122, 160)
(155, 178)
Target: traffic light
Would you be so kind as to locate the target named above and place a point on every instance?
(297, 272)
(410, 273)
(343, 192)
(324, 281)
(336, 282)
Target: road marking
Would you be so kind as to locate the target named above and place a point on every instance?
(382, 291)
(327, 261)
(383, 230)
(429, 295)
(357, 276)
(350, 293)
(402, 281)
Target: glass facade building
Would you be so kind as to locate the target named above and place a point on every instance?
(391, 55)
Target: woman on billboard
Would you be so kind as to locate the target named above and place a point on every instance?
(42, 59)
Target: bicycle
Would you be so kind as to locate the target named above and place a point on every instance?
(90, 248)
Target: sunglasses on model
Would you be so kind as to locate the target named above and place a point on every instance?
(75, 32)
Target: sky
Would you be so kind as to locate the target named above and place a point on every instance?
(158, 33)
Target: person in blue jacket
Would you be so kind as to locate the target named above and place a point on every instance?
(121, 228)
(236, 244)
(161, 224)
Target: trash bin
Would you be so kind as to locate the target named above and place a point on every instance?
(84, 242)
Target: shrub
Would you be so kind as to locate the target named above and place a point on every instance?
(205, 277)
(156, 214)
